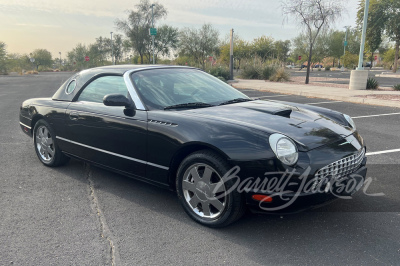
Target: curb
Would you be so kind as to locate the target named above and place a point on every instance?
(329, 97)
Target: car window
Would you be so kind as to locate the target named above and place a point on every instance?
(71, 87)
(98, 88)
(159, 88)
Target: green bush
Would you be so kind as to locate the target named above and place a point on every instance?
(372, 84)
(280, 75)
(251, 72)
(222, 78)
(219, 72)
(268, 71)
(396, 87)
(327, 68)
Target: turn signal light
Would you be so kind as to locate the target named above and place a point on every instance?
(262, 198)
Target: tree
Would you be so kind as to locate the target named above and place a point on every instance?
(383, 17)
(3, 58)
(42, 58)
(263, 47)
(391, 13)
(165, 41)
(314, 16)
(335, 44)
(350, 60)
(117, 48)
(136, 27)
(198, 43)
(282, 49)
(301, 48)
(241, 50)
(76, 57)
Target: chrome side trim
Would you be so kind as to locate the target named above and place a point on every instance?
(115, 154)
(25, 125)
(135, 97)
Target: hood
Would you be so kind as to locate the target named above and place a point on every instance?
(308, 128)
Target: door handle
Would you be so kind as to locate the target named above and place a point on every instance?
(73, 116)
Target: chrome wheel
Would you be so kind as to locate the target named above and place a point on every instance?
(204, 190)
(44, 144)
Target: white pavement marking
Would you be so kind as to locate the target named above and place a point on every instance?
(375, 115)
(381, 152)
(326, 102)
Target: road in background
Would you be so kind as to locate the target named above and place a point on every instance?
(80, 214)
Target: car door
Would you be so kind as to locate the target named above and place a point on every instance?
(104, 134)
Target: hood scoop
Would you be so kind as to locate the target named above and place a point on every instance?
(280, 112)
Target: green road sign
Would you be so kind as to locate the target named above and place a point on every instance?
(345, 43)
(153, 31)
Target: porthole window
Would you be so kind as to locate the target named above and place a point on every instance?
(71, 87)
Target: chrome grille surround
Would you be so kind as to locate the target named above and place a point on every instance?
(340, 169)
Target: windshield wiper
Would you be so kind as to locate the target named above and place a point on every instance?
(237, 100)
(188, 105)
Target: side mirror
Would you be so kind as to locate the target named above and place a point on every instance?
(118, 100)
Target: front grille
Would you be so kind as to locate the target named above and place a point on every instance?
(339, 169)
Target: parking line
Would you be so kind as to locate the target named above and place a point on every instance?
(381, 152)
(375, 115)
(326, 102)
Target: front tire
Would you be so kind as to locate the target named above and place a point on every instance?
(46, 147)
(202, 192)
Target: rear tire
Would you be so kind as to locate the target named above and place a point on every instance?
(46, 147)
(198, 177)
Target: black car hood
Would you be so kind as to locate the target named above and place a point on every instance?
(308, 128)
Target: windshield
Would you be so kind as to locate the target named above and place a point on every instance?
(161, 88)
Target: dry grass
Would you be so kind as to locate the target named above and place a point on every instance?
(280, 76)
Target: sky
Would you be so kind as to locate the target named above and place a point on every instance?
(59, 25)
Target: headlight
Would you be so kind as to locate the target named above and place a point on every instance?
(350, 120)
(284, 148)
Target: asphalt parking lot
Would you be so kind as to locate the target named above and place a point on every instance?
(82, 215)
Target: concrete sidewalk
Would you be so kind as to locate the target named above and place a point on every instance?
(331, 93)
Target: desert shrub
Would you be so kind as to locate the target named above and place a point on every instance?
(280, 75)
(219, 72)
(372, 84)
(268, 71)
(396, 87)
(327, 68)
(251, 72)
(30, 72)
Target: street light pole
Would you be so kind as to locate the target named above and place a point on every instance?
(359, 77)
(231, 57)
(364, 30)
(112, 50)
(345, 39)
(152, 25)
(60, 59)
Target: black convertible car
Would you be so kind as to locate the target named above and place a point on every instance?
(183, 129)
